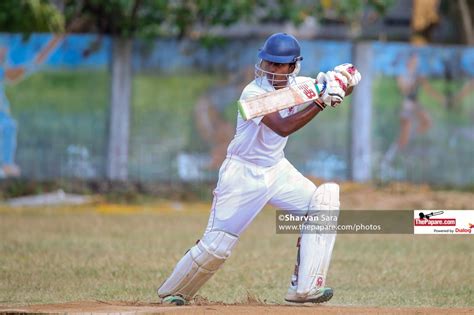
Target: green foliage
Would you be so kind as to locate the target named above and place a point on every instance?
(29, 16)
(206, 13)
(280, 11)
(116, 17)
(381, 6)
(351, 10)
(151, 18)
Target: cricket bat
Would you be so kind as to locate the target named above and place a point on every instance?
(297, 94)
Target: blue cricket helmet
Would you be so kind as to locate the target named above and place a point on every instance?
(281, 48)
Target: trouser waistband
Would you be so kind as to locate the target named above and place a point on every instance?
(240, 159)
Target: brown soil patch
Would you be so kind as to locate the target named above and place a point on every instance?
(156, 308)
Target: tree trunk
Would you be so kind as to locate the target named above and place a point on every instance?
(466, 21)
(360, 164)
(119, 117)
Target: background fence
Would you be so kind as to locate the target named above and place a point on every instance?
(184, 111)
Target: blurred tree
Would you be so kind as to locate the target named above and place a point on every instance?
(351, 12)
(466, 10)
(27, 16)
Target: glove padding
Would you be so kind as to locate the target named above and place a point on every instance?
(350, 72)
(335, 86)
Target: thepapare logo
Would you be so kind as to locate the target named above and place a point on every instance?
(427, 220)
(458, 222)
(429, 215)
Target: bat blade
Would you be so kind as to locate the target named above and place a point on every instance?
(297, 94)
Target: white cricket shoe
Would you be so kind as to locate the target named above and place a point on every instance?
(320, 296)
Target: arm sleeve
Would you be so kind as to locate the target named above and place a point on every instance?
(257, 120)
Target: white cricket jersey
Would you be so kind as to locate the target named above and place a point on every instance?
(253, 140)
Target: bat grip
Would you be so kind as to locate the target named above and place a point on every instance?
(320, 87)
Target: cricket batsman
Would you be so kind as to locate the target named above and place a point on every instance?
(256, 172)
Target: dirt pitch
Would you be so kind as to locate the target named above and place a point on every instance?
(209, 308)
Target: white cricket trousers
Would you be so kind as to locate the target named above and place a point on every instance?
(244, 188)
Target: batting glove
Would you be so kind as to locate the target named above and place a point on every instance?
(350, 72)
(335, 86)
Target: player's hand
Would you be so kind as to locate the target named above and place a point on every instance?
(335, 87)
(350, 72)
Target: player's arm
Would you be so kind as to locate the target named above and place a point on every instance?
(287, 125)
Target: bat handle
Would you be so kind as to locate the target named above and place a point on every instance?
(320, 87)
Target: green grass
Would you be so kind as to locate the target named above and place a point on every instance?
(163, 122)
(57, 255)
(57, 109)
(442, 156)
(62, 108)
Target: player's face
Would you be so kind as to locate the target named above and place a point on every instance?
(278, 72)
